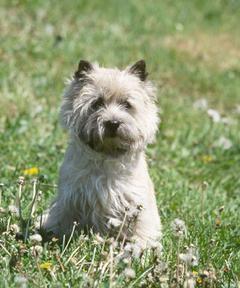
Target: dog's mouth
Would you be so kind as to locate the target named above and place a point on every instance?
(111, 146)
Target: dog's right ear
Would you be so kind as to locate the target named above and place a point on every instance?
(83, 68)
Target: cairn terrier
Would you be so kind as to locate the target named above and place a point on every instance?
(104, 185)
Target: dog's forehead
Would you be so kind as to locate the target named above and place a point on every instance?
(114, 82)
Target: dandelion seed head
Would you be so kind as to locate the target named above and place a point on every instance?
(14, 228)
(223, 143)
(160, 268)
(21, 180)
(150, 277)
(189, 283)
(36, 238)
(128, 247)
(178, 227)
(20, 281)
(127, 260)
(200, 104)
(129, 273)
(214, 115)
(191, 257)
(13, 209)
(36, 250)
(137, 250)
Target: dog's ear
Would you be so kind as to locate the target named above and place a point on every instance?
(83, 68)
(139, 69)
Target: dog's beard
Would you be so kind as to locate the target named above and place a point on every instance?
(126, 140)
(112, 146)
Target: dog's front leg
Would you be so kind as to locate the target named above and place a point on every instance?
(57, 221)
(148, 225)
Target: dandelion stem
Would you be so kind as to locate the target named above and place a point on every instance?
(204, 186)
(5, 249)
(32, 209)
(8, 223)
(1, 192)
(202, 204)
(18, 199)
(111, 266)
(178, 249)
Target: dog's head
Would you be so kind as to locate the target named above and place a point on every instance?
(111, 110)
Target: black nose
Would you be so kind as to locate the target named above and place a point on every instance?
(111, 127)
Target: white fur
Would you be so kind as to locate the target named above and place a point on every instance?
(96, 189)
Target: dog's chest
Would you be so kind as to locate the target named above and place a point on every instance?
(106, 189)
(101, 191)
(107, 198)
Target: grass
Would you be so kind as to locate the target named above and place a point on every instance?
(192, 50)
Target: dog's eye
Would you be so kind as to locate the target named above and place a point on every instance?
(126, 105)
(98, 103)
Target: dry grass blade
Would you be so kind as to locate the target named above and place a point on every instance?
(92, 261)
(69, 240)
(141, 276)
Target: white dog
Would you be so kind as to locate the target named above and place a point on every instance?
(111, 117)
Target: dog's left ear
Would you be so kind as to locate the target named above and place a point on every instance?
(83, 68)
(139, 69)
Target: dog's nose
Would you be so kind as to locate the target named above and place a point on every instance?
(111, 127)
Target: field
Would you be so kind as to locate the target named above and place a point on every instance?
(192, 49)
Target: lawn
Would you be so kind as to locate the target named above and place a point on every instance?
(192, 50)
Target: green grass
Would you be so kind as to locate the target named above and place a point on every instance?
(192, 49)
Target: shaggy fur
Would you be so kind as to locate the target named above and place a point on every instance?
(111, 117)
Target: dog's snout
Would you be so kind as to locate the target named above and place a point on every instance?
(111, 127)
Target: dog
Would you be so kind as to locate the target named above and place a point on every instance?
(104, 184)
